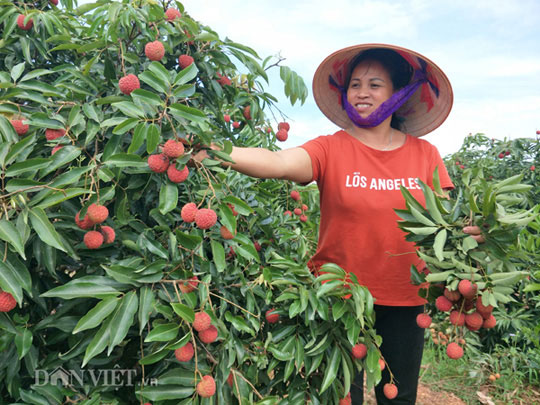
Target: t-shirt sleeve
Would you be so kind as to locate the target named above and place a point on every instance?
(444, 177)
(317, 150)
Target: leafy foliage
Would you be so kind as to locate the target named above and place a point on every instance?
(110, 319)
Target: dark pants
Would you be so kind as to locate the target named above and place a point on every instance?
(402, 347)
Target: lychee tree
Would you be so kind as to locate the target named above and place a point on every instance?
(116, 240)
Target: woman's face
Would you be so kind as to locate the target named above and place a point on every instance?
(369, 87)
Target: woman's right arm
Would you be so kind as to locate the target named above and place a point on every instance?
(289, 164)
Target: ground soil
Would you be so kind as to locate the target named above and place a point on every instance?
(426, 396)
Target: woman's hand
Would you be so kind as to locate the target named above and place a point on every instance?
(475, 232)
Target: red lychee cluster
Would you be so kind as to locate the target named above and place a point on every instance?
(465, 309)
(165, 161)
(204, 218)
(272, 316)
(171, 14)
(20, 23)
(95, 215)
(206, 388)
(52, 134)
(283, 131)
(300, 209)
(184, 353)
(154, 50)
(184, 61)
(223, 80)
(7, 302)
(208, 333)
(20, 127)
(129, 83)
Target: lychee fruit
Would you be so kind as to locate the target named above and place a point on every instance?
(97, 213)
(188, 286)
(55, 2)
(205, 218)
(467, 289)
(154, 50)
(56, 149)
(443, 304)
(85, 223)
(223, 80)
(173, 149)
(108, 234)
(295, 195)
(188, 212)
(484, 310)
(202, 321)
(206, 387)
(129, 83)
(172, 13)
(298, 211)
(457, 318)
(209, 335)
(454, 351)
(177, 176)
(453, 296)
(225, 233)
(289, 213)
(158, 163)
(52, 134)
(247, 112)
(282, 135)
(490, 322)
(93, 239)
(257, 246)
(236, 124)
(20, 22)
(382, 364)
(7, 302)
(390, 390)
(184, 353)
(271, 316)
(230, 379)
(184, 61)
(303, 218)
(19, 127)
(284, 125)
(423, 320)
(474, 321)
(359, 351)
(227, 118)
(346, 401)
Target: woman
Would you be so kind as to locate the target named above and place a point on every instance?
(384, 97)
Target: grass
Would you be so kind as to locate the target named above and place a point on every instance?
(470, 374)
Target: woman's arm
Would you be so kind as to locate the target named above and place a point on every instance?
(289, 164)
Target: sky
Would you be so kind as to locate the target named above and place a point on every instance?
(489, 49)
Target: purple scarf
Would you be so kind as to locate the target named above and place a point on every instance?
(387, 108)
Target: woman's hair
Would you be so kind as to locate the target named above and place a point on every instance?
(398, 68)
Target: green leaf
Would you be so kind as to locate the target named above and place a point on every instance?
(218, 255)
(7, 130)
(139, 135)
(122, 319)
(163, 392)
(154, 81)
(330, 373)
(9, 281)
(152, 138)
(98, 343)
(82, 288)
(125, 160)
(129, 109)
(146, 306)
(189, 113)
(96, 315)
(17, 71)
(45, 230)
(163, 333)
(10, 234)
(28, 165)
(186, 75)
(147, 97)
(23, 341)
(168, 197)
(185, 312)
(438, 244)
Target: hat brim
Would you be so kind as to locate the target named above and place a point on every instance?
(423, 112)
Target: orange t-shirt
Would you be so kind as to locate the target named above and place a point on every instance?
(359, 188)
